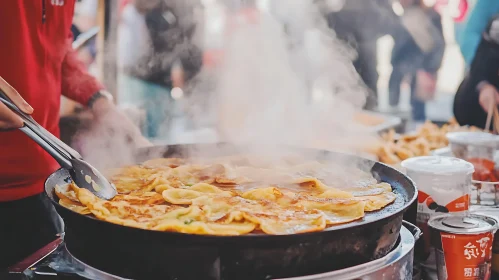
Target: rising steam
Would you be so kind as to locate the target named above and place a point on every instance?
(286, 79)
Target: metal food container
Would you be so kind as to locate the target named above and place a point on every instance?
(481, 193)
(466, 145)
(477, 147)
(397, 265)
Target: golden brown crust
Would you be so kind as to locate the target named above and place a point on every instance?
(220, 199)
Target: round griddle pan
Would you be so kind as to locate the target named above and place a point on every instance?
(146, 254)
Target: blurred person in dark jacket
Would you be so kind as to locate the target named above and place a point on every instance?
(361, 23)
(417, 53)
(480, 88)
(157, 54)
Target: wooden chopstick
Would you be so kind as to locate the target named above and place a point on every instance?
(496, 119)
(489, 116)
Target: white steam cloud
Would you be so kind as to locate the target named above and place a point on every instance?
(286, 79)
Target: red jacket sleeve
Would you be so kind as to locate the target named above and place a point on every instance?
(77, 83)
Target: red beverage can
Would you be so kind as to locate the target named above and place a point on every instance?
(493, 212)
(463, 246)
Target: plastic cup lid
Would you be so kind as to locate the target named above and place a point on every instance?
(474, 138)
(438, 165)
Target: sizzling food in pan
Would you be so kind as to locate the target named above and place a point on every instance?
(232, 197)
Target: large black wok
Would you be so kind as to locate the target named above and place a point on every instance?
(144, 254)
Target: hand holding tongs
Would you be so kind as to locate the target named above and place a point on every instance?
(82, 173)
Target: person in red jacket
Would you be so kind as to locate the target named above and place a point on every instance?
(37, 66)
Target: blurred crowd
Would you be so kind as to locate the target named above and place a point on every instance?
(160, 49)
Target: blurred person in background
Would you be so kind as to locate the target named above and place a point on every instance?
(361, 23)
(417, 54)
(459, 10)
(476, 24)
(479, 90)
(38, 60)
(156, 54)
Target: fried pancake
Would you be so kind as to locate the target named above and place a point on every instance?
(312, 183)
(225, 199)
(142, 198)
(206, 228)
(127, 213)
(164, 163)
(136, 178)
(335, 193)
(68, 198)
(377, 202)
(270, 193)
(270, 217)
(186, 196)
(376, 196)
(297, 222)
(66, 192)
(336, 211)
(220, 174)
(137, 213)
(74, 206)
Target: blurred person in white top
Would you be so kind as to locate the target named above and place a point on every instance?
(133, 38)
(153, 39)
(134, 43)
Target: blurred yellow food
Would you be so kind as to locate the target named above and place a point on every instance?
(368, 119)
(427, 138)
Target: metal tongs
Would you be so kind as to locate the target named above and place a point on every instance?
(82, 173)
